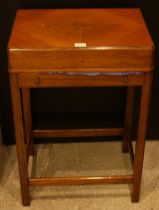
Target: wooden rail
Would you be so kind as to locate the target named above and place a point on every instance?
(78, 132)
(81, 180)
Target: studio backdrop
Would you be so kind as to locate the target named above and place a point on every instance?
(76, 107)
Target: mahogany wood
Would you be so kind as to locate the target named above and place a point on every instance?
(115, 38)
(140, 143)
(27, 119)
(78, 132)
(131, 151)
(83, 58)
(81, 180)
(19, 134)
(82, 25)
(118, 51)
(79, 80)
(128, 117)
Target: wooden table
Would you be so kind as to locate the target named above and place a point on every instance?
(79, 48)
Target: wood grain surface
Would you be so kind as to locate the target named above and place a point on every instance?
(45, 39)
(116, 51)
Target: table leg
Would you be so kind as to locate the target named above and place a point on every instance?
(27, 119)
(19, 136)
(140, 143)
(128, 117)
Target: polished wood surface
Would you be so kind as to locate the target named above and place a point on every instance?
(20, 140)
(116, 51)
(114, 38)
(81, 180)
(59, 28)
(140, 142)
(89, 79)
(78, 132)
(27, 120)
(128, 117)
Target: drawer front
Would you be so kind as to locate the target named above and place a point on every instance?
(79, 80)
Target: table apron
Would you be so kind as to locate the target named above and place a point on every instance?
(71, 80)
